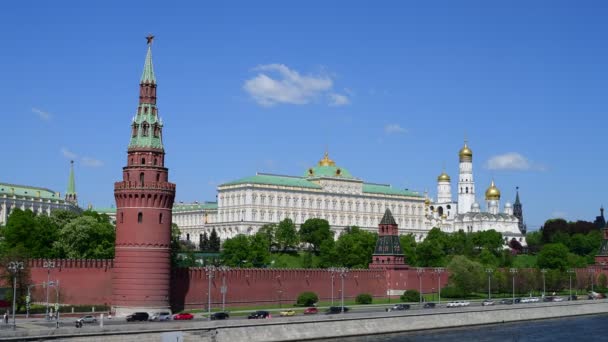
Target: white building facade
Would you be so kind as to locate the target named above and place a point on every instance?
(466, 214)
(325, 191)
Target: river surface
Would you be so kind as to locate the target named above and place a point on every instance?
(576, 329)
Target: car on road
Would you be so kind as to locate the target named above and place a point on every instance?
(573, 297)
(311, 311)
(398, 307)
(87, 319)
(506, 301)
(548, 299)
(595, 295)
(184, 316)
(558, 299)
(336, 309)
(429, 305)
(458, 304)
(219, 315)
(138, 316)
(259, 315)
(530, 300)
(487, 302)
(287, 313)
(160, 317)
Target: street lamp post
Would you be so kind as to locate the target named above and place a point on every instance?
(439, 270)
(14, 267)
(489, 271)
(210, 270)
(543, 271)
(592, 272)
(343, 271)
(332, 270)
(48, 265)
(224, 287)
(419, 271)
(570, 271)
(513, 271)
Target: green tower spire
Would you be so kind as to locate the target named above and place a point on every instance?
(148, 74)
(147, 126)
(70, 194)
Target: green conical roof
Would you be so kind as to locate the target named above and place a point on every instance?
(148, 74)
(71, 181)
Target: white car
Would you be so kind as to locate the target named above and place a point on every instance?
(487, 302)
(457, 304)
(558, 299)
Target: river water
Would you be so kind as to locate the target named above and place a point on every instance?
(577, 329)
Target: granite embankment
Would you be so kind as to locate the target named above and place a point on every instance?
(320, 327)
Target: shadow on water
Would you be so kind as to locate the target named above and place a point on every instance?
(579, 329)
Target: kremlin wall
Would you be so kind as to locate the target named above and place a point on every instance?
(140, 277)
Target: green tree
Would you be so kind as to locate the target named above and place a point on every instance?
(534, 241)
(408, 244)
(235, 251)
(175, 245)
(409, 296)
(286, 235)
(269, 231)
(307, 299)
(259, 255)
(314, 231)
(204, 243)
(465, 274)
(328, 256)
(602, 281)
(363, 298)
(354, 247)
(487, 258)
(553, 256)
(214, 242)
(16, 254)
(86, 237)
(430, 254)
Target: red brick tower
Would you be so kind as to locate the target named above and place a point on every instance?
(144, 201)
(388, 254)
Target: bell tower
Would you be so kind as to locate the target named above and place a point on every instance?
(144, 201)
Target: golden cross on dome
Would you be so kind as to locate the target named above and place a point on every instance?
(150, 38)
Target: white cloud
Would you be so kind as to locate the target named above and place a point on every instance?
(512, 161)
(276, 84)
(91, 162)
(46, 116)
(394, 129)
(338, 100)
(68, 154)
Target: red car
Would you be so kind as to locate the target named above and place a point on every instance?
(311, 311)
(183, 316)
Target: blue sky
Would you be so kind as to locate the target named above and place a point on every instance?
(391, 87)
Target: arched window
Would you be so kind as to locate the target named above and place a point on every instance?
(188, 237)
(143, 161)
(145, 128)
(467, 189)
(141, 178)
(160, 218)
(122, 217)
(158, 177)
(134, 134)
(155, 161)
(140, 217)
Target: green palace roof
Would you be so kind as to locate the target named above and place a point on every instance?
(328, 171)
(301, 182)
(28, 191)
(268, 179)
(194, 206)
(177, 207)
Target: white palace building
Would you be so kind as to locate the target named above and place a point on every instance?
(330, 192)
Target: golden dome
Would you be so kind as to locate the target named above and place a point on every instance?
(492, 193)
(465, 153)
(427, 201)
(326, 161)
(443, 177)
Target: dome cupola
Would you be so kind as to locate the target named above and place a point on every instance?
(492, 193)
(443, 177)
(465, 154)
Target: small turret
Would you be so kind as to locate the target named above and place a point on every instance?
(70, 194)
